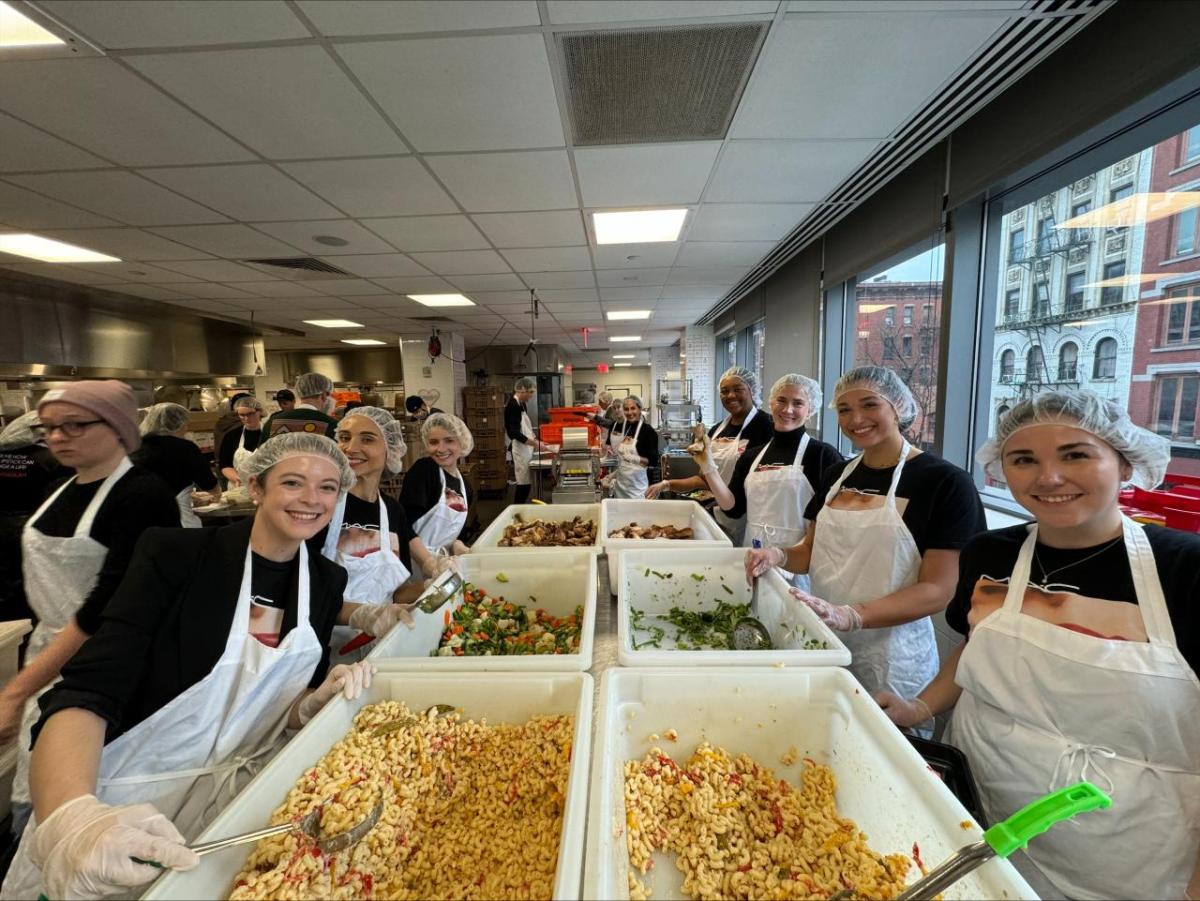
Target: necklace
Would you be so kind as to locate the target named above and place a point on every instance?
(1046, 575)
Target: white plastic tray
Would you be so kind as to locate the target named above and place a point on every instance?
(501, 697)
(616, 513)
(559, 583)
(790, 623)
(882, 782)
(489, 541)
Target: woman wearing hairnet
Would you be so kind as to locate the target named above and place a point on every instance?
(884, 535)
(174, 459)
(1082, 655)
(369, 535)
(214, 643)
(435, 495)
(636, 447)
(772, 483)
(745, 426)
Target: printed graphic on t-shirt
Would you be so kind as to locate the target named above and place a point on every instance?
(359, 540)
(852, 499)
(742, 444)
(1058, 604)
(266, 620)
(455, 501)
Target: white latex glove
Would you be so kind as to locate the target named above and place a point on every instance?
(904, 712)
(842, 618)
(656, 489)
(701, 452)
(459, 547)
(629, 453)
(85, 848)
(758, 560)
(439, 563)
(378, 619)
(349, 680)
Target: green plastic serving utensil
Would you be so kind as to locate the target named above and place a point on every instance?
(1010, 835)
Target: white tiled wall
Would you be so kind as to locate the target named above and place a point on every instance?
(700, 348)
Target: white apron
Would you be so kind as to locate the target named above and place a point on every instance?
(59, 574)
(191, 757)
(1043, 707)
(861, 555)
(775, 502)
(241, 455)
(630, 478)
(522, 454)
(372, 578)
(441, 524)
(725, 453)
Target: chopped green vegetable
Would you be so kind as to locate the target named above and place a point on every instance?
(727, 589)
(698, 577)
(486, 626)
(500, 577)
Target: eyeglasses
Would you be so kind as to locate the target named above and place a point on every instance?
(71, 428)
(248, 414)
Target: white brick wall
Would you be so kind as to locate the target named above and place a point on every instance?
(700, 348)
(664, 364)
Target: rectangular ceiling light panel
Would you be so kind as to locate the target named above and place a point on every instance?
(18, 30)
(625, 338)
(334, 323)
(638, 226)
(442, 300)
(629, 314)
(39, 248)
(364, 342)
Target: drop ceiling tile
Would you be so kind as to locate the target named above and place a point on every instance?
(631, 278)
(25, 209)
(644, 256)
(285, 102)
(343, 287)
(504, 300)
(152, 292)
(122, 24)
(502, 281)
(573, 279)
(204, 306)
(277, 288)
(644, 174)
(507, 182)
(60, 272)
(720, 276)
(558, 228)
(302, 234)
(397, 186)
(910, 6)
(457, 93)
(255, 192)
(219, 271)
(121, 195)
(648, 294)
(803, 89)
(747, 221)
(784, 171)
(462, 262)
(429, 233)
(378, 265)
(341, 18)
(127, 244)
(26, 149)
(584, 11)
(684, 293)
(109, 111)
(142, 273)
(210, 291)
(549, 259)
(723, 253)
(235, 241)
(569, 296)
(415, 284)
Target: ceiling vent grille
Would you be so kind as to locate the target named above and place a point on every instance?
(656, 85)
(1013, 51)
(300, 267)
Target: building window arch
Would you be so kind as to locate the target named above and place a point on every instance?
(1008, 363)
(1068, 362)
(1035, 364)
(1105, 363)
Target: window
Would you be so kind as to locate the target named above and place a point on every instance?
(1012, 303)
(1120, 193)
(1041, 291)
(1045, 235)
(1185, 233)
(1068, 361)
(908, 314)
(927, 314)
(1075, 282)
(926, 344)
(1183, 317)
(1016, 244)
(906, 346)
(1111, 294)
(1035, 365)
(758, 344)
(889, 348)
(1191, 145)
(1177, 406)
(1080, 234)
(889, 317)
(1105, 366)
(1008, 362)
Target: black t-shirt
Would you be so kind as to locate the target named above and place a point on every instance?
(512, 420)
(229, 445)
(138, 500)
(422, 489)
(818, 457)
(937, 500)
(647, 439)
(360, 530)
(176, 461)
(302, 419)
(25, 477)
(1092, 596)
(756, 433)
(273, 585)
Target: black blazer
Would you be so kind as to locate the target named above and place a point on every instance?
(166, 626)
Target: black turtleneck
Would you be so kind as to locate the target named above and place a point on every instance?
(781, 451)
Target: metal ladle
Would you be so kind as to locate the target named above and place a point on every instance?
(749, 634)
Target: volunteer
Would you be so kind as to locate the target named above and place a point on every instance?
(610, 414)
(213, 644)
(76, 546)
(519, 432)
(369, 535)
(174, 459)
(636, 446)
(240, 443)
(772, 482)
(882, 545)
(1082, 655)
(745, 426)
(285, 399)
(435, 495)
(311, 415)
(228, 419)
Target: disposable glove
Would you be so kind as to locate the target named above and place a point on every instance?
(656, 489)
(440, 563)
(842, 618)
(378, 619)
(701, 451)
(759, 560)
(85, 849)
(349, 680)
(904, 712)
(629, 453)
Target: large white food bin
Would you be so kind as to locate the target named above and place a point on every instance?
(617, 513)
(882, 782)
(501, 697)
(789, 621)
(559, 583)
(490, 539)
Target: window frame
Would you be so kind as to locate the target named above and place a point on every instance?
(1105, 342)
(1193, 246)
(1073, 376)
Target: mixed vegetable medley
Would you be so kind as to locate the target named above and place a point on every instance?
(485, 626)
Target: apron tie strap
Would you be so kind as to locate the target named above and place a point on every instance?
(1087, 754)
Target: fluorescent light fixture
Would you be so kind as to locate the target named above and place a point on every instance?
(18, 30)
(39, 248)
(334, 323)
(624, 356)
(1136, 209)
(442, 300)
(625, 338)
(629, 314)
(619, 365)
(364, 342)
(639, 227)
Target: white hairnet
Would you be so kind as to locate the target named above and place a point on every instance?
(296, 444)
(164, 419)
(1146, 452)
(392, 431)
(884, 382)
(742, 374)
(633, 397)
(810, 387)
(313, 383)
(452, 424)
(525, 383)
(20, 432)
(248, 403)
